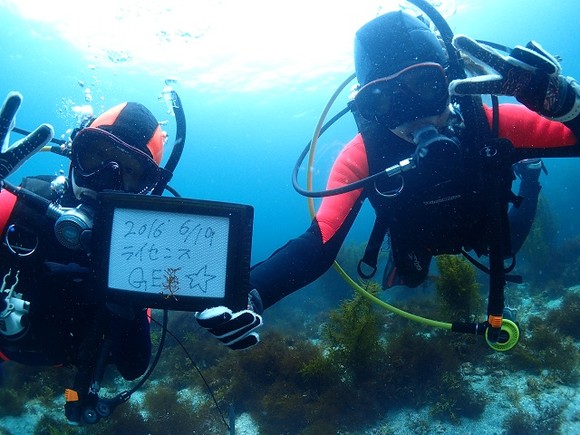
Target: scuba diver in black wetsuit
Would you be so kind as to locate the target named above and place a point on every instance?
(438, 175)
(51, 312)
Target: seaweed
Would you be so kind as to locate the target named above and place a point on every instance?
(48, 425)
(424, 370)
(165, 409)
(566, 319)
(38, 383)
(457, 288)
(127, 419)
(12, 402)
(455, 399)
(548, 419)
(542, 349)
(519, 422)
(352, 337)
(269, 381)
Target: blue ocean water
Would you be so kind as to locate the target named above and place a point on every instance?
(242, 144)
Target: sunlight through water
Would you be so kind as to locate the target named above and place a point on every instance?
(213, 44)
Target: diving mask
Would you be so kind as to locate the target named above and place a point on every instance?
(102, 161)
(418, 91)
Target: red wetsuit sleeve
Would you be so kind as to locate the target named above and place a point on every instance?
(526, 129)
(7, 202)
(350, 166)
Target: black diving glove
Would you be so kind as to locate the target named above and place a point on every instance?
(529, 73)
(236, 330)
(11, 157)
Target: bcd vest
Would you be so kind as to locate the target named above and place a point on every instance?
(55, 280)
(442, 209)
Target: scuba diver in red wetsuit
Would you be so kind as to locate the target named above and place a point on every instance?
(421, 118)
(51, 312)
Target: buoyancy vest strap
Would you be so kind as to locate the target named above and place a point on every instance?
(7, 203)
(374, 244)
(498, 182)
(472, 110)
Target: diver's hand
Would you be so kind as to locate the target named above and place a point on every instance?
(529, 73)
(236, 330)
(11, 157)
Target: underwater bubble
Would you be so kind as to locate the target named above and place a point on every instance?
(83, 113)
(116, 56)
(88, 96)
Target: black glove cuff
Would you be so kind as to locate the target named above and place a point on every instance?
(569, 101)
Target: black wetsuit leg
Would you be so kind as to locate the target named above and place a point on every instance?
(131, 344)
